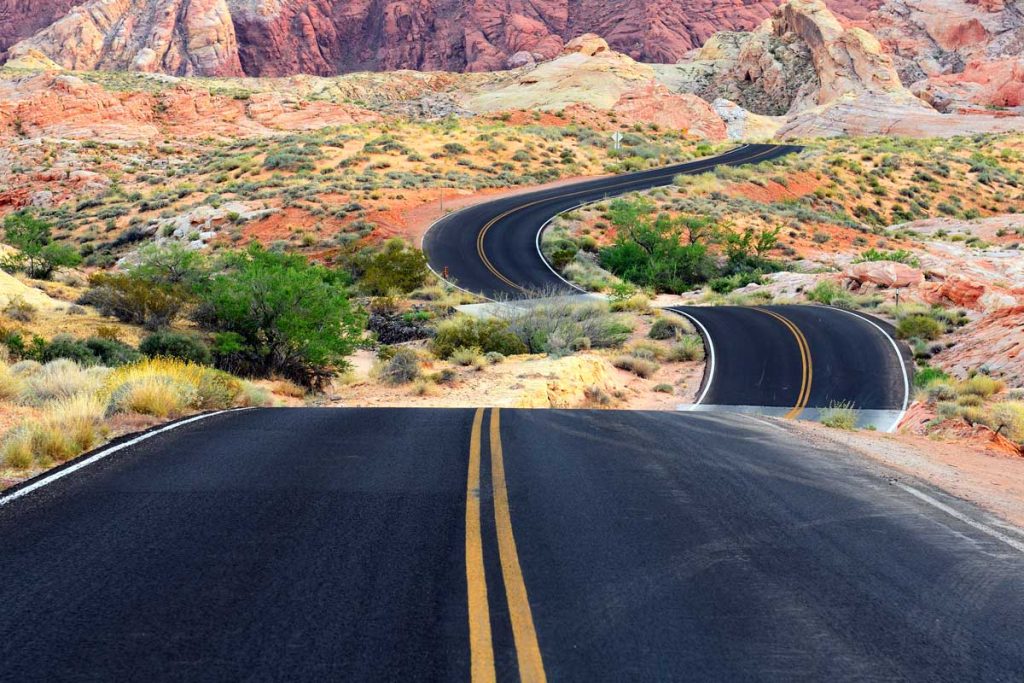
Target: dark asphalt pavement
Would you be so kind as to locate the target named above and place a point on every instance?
(758, 361)
(491, 249)
(306, 544)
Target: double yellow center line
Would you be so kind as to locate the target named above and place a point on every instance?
(481, 646)
(487, 227)
(807, 368)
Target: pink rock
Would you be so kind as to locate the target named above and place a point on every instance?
(883, 274)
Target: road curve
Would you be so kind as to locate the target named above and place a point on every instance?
(374, 544)
(800, 358)
(491, 248)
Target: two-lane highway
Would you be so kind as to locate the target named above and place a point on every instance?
(334, 544)
(491, 248)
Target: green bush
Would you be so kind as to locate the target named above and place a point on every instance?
(133, 300)
(169, 344)
(276, 314)
(488, 335)
(111, 352)
(396, 268)
(918, 327)
(927, 375)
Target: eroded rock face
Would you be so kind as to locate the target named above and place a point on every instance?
(802, 57)
(275, 38)
(193, 38)
(22, 18)
(955, 53)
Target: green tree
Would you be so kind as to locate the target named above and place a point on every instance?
(277, 314)
(397, 267)
(648, 251)
(171, 265)
(37, 254)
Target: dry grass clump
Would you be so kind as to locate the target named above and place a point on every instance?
(689, 348)
(76, 401)
(839, 415)
(165, 387)
(59, 379)
(981, 385)
(641, 367)
(11, 384)
(1008, 417)
(67, 427)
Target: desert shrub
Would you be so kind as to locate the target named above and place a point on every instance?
(689, 348)
(180, 345)
(11, 384)
(253, 395)
(641, 367)
(1008, 417)
(134, 300)
(111, 352)
(494, 357)
(60, 379)
(918, 327)
(397, 267)
(665, 389)
(668, 327)
(490, 335)
(927, 375)
(66, 428)
(165, 386)
(564, 327)
(276, 314)
(839, 415)
(466, 356)
(826, 292)
(19, 309)
(402, 368)
(157, 395)
(981, 385)
(66, 346)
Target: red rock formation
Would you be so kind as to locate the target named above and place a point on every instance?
(22, 18)
(324, 37)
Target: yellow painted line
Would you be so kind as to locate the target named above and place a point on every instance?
(531, 664)
(481, 647)
(807, 370)
(483, 231)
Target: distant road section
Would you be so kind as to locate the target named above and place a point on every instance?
(491, 248)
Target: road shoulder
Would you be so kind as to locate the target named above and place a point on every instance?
(989, 480)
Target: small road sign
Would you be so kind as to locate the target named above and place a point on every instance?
(617, 138)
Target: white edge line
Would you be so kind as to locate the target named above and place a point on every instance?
(104, 453)
(1008, 540)
(423, 242)
(899, 357)
(711, 355)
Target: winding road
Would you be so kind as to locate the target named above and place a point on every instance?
(790, 361)
(493, 544)
(455, 545)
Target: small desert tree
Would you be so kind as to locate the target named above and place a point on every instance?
(276, 314)
(38, 255)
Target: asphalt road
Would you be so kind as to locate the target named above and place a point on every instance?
(305, 544)
(491, 248)
(798, 358)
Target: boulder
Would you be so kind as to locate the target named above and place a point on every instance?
(882, 274)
